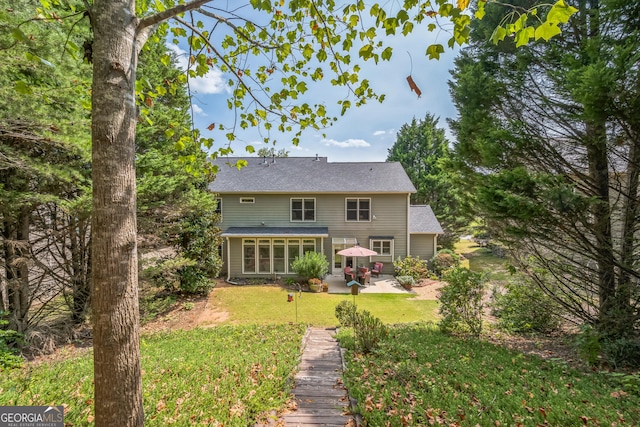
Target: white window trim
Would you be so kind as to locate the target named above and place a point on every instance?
(358, 213)
(391, 247)
(247, 199)
(256, 241)
(315, 209)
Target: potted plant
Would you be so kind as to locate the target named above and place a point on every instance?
(325, 287)
(406, 282)
(315, 285)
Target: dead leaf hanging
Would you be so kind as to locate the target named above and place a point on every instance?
(414, 87)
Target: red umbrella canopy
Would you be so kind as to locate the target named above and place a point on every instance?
(357, 251)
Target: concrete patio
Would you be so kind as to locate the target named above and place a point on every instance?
(385, 284)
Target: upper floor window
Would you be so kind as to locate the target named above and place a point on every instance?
(303, 209)
(358, 210)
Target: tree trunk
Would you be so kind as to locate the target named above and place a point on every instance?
(17, 254)
(117, 376)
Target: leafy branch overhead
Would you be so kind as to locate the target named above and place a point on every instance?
(271, 53)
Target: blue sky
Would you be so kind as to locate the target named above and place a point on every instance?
(362, 134)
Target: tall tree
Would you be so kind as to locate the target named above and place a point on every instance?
(423, 150)
(301, 41)
(548, 135)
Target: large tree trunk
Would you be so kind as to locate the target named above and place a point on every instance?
(117, 376)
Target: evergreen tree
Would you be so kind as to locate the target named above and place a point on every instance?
(423, 150)
(549, 141)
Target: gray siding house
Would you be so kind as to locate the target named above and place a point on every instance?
(275, 209)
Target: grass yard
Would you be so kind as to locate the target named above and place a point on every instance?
(481, 259)
(421, 377)
(229, 376)
(268, 305)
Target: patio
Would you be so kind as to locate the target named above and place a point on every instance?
(384, 284)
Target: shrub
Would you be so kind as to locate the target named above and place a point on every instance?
(179, 274)
(461, 303)
(406, 280)
(588, 344)
(9, 357)
(369, 331)
(311, 265)
(622, 352)
(444, 260)
(525, 308)
(410, 266)
(345, 313)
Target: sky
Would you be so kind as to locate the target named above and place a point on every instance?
(364, 133)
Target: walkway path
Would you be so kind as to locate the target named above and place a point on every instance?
(320, 396)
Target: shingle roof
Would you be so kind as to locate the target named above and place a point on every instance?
(422, 220)
(309, 175)
(276, 231)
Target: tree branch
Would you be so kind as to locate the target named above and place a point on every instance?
(159, 17)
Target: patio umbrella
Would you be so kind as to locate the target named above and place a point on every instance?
(357, 251)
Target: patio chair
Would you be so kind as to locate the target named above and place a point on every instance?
(348, 274)
(377, 269)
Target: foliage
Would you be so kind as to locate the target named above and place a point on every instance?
(424, 377)
(153, 305)
(461, 301)
(523, 307)
(406, 280)
(547, 145)
(622, 352)
(346, 313)
(311, 265)
(9, 357)
(251, 376)
(423, 151)
(411, 266)
(588, 344)
(369, 331)
(444, 260)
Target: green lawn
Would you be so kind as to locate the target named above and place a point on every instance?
(481, 259)
(421, 377)
(268, 305)
(228, 375)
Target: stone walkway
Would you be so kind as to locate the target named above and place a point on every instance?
(320, 396)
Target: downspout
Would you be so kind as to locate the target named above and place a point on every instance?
(435, 244)
(408, 252)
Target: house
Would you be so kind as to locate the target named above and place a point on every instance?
(275, 209)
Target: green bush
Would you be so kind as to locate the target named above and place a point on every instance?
(180, 274)
(406, 280)
(461, 305)
(346, 313)
(410, 266)
(444, 260)
(369, 331)
(588, 344)
(313, 265)
(622, 352)
(525, 308)
(9, 339)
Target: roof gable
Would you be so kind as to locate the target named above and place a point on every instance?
(308, 175)
(423, 220)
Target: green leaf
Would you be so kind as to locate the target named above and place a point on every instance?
(546, 31)
(386, 54)
(480, 12)
(498, 35)
(523, 36)
(19, 35)
(22, 88)
(434, 51)
(560, 13)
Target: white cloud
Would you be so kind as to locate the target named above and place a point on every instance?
(197, 110)
(212, 83)
(349, 143)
